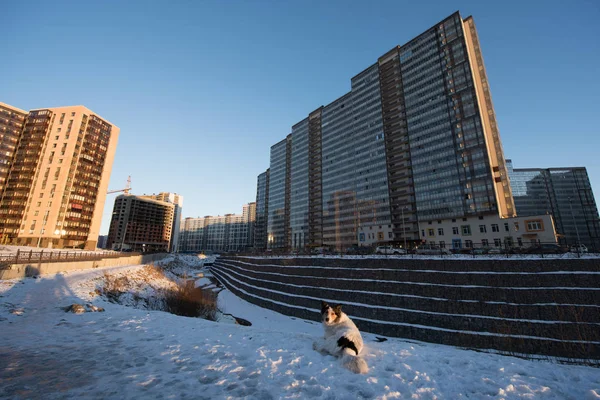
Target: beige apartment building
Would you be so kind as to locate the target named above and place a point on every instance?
(56, 186)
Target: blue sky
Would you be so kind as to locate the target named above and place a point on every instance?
(202, 89)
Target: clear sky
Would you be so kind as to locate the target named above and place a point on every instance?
(202, 89)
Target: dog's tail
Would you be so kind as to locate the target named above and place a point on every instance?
(353, 362)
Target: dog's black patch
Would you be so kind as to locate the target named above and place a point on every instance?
(324, 307)
(344, 343)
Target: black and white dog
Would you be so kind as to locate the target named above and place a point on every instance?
(341, 338)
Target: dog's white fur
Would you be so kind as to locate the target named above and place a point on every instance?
(338, 325)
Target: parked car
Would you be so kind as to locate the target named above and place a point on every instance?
(389, 250)
(578, 248)
(431, 250)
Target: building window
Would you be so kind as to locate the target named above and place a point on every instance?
(423, 232)
(430, 232)
(482, 229)
(506, 228)
(495, 228)
(390, 235)
(441, 231)
(534, 225)
(497, 242)
(520, 241)
(469, 244)
(455, 230)
(466, 230)
(442, 244)
(432, 242)
(516, 226)
(485, 243)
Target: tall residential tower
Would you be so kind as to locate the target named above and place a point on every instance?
(56, 186)
(414, 140)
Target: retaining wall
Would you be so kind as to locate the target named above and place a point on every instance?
(34, 269)
(549, 307)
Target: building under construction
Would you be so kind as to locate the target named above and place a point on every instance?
(144, 223)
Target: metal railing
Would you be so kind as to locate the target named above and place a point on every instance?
(475, 250)
(31, 256)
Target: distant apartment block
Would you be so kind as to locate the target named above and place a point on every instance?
(54, 192)
(177, 201)
(141, 223)
(227, 233)
(564, 193)
(414, 140)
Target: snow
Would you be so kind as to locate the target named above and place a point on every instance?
(127, 352)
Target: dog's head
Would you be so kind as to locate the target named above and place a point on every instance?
(330, 315)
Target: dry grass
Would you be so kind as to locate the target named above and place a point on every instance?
(189, 301)
(182, 299)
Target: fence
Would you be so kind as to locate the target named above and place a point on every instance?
(466, 248)
(28, 257)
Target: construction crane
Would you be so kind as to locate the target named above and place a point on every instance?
(126, 190)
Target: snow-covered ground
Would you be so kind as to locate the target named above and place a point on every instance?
(126, 352)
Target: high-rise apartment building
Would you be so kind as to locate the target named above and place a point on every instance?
(12, 120)
(56, 186)
(177, 201)
(262, 210)
(278, 221)
(566, 194)
(141, 223)
(415, 139)
(227, 233)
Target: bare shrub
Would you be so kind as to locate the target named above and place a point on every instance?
(188, 301)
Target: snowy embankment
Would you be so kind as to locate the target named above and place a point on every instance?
(126, 352)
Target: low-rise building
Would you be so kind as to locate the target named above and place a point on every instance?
(489, 231)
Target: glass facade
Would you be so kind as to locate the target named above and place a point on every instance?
(450, 164)
(566, 194)
(276, 224)
(299, 185)
(338, 180)
(369, 164)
